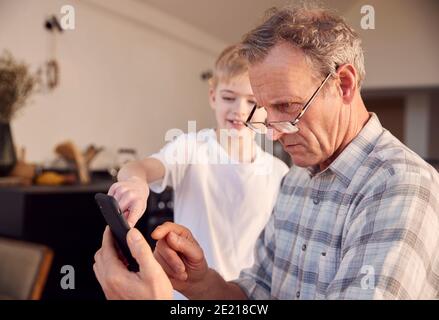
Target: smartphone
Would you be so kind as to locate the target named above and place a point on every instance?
(118, 225)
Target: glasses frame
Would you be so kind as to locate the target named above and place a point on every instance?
(294, 123)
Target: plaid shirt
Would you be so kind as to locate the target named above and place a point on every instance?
(367, 227)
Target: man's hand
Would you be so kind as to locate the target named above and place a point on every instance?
(181, 257)
(132, 195)
(117, 282)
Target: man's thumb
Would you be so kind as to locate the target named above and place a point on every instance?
(139, 248)
(190, 249)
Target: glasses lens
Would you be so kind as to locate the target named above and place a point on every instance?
(258, 127)
(284, 127)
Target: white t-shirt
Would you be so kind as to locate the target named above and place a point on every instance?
(225, 204)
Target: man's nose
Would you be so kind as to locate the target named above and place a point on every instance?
(274, 134)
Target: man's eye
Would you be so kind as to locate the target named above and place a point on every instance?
(229, 99)
(283, 107)
(289, 107)
(251, 102)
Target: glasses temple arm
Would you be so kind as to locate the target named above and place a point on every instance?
(312, 98)
(251, 115)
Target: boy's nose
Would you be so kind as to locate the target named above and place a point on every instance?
(242, 108)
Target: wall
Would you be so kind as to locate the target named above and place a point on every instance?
(417, 110)
(402, 54)
(434, 126)
(128, 73)
(402, 51)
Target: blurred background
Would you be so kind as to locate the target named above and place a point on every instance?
(127, 71)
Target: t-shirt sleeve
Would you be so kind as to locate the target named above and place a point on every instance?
(175, 157)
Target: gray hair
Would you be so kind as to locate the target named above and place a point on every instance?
(325, 38)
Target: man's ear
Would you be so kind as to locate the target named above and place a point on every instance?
(348, 82)
(212, 97)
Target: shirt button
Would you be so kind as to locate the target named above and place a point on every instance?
(316, 200)
(298, 294)
(304, 247)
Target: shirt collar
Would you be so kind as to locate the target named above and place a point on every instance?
(348, 162)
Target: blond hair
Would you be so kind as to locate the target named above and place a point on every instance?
(229, 64)
(325, 38)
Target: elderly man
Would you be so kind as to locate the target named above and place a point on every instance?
(359, 218)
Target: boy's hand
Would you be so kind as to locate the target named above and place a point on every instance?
(132, 196)
(181, 257)
(117, 282)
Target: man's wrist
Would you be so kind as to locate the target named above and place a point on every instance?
(197, 289)
(211, 287)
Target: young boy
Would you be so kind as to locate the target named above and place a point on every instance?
(224, 184)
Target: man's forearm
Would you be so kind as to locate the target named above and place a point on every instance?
(214, 287)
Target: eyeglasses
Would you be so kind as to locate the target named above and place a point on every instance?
(282, 126)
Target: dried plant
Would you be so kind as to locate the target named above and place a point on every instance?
(17, 84)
